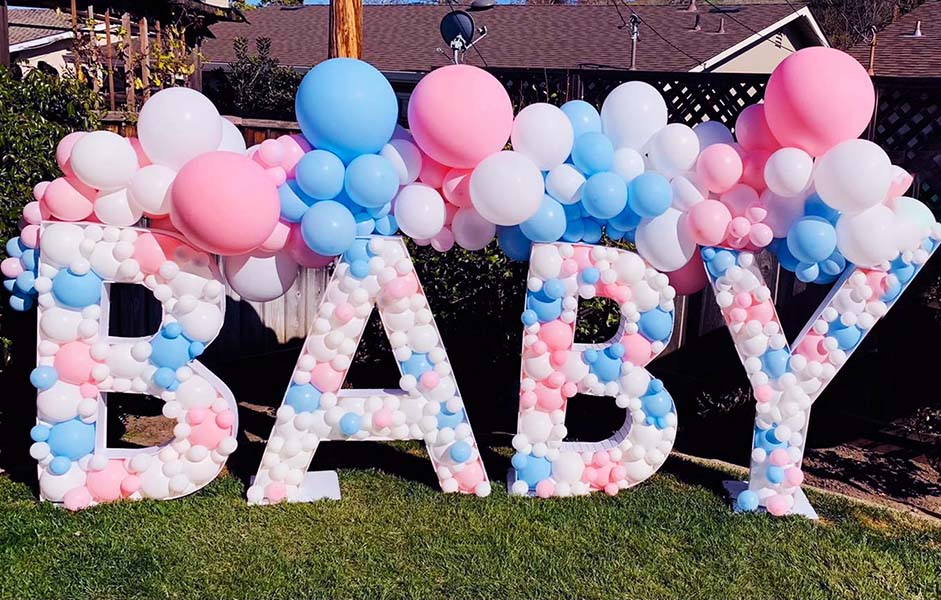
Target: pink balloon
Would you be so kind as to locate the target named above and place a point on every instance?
(302, 254)
(73, 363)
(777, 505)
(278, 238)
(637, 347)
(456, 187)
(818, 97)
(753, 171)
(32, 212)
(77, 498)
(68, 199)
(690, 278)
(209, 432)
(64, 151)
(470, 476)
(459, 115)
(719, 167)
(708, 222)
(11, 267)
(224, 203)
(38, 190)
(105, 485)
(325, 378)
(752, 131)
(557, 335)
(29, 235)
(293, 152)
(432, 172)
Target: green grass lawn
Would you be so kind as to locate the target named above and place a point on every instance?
(392, 538)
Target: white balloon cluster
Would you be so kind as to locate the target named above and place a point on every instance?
(79, 363)
(554, 369)
(377, 272)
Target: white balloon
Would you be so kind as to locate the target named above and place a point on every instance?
(913, 222)
(543, 133)
(674, 149)
(419, 211)
(59, 402)
(664, 242)
(202, 323)
(60, 324)
(122, 363)
(868, 238)
(178, 124)
(405, 157)
(103, 160)
(422, 338)
(60, 243)
(471, 231)
(788, 171)
(853, 175)
(232, 139)
(564, 183)
(685, 192)
(260, 278)
(632, 113)
(782, 211)
(712, 132)
(54, 487)
(628, 163)
(568, 467)
(150, 189)
(546, 262)
(506, 188)
(114, 208)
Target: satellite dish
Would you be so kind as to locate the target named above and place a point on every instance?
(457, 29)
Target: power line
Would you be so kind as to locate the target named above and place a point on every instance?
(657, 33)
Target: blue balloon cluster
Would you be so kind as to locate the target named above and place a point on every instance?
(657, 404)
(531, 469)
(68, 441)
(170, 350)
(347, 110)
(809, 250)
(606, 204)
(22, 287)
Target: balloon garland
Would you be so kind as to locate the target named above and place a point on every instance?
(696, 202)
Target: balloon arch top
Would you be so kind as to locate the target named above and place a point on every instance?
(794, 179)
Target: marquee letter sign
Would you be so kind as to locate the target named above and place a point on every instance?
(376, 272)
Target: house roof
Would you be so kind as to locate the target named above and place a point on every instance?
(900, 54)
(404, 37)
(32, 26)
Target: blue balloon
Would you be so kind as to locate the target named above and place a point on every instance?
(359, 250)
(574, 230)
(460, 451)
(604, 195)
(171, 349)
(25, 283)
(591, 231)
(28, 258)
(649, 195)
(847, 336)
(350, 423)
(60, 465)
(718, 261)
(21, 302)
(626, 220)
(787, 260)
(775, 474)
(816, 207)
(76, 291)
(605, 364)
(656, 325)
(320, 174)
(592, 153)
(365, 224)
(774, 362)
(416, 365)
(328, 228)
(529, 317)
(554, 288)
(72, 439)
(346, 106)
(590, 275)
(39, 433)
(657, 404)
(747, 501)
(303, 398)
(446, 418)
(386, 225)
(583, 116)
(43, 377)
(546, 308)
(548, 224)
(371, 181)
(811, 239)
(377, 212)
(514, 242)
(294, 202)
(15, 247)
(531, 469)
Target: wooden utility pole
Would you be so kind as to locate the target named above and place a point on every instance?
(346, 29)
(4, 35)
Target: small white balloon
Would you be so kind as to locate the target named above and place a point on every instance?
(674, 149)
(543, 133)
(564, 183)
(419, 211)
(260, 278)
(506, 188)
(115, 208)
(664, 242)
(628, 163)
(472, 231)
(103, 160)
(150, 189)
(788, 171)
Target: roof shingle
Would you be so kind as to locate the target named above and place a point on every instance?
(900, 54)
(35, 18)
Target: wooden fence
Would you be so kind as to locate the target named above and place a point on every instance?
(907, 123)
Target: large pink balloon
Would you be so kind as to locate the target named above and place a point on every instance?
(224, 203)
(817, 98)
(459, 115)
(690, 278)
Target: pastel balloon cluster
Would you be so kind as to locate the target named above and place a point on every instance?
(79, 363)
(374, 272)
(555, 368)
(787, 380)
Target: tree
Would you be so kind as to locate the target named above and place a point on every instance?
(256, 85)
(849, 22)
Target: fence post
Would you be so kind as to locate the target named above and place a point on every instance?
(109, 54)
(145, 58)
(130, 99)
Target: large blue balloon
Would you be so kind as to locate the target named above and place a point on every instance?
(649, 195)
(72, 439)
(811, 239)
(592, 153)
(328, 228)
(320, 174)
(76, 291)
(371, 181)
(514, 243)
(604, 195)
(584, 117)
(346, 106)
(548, 224)
(294, 202)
